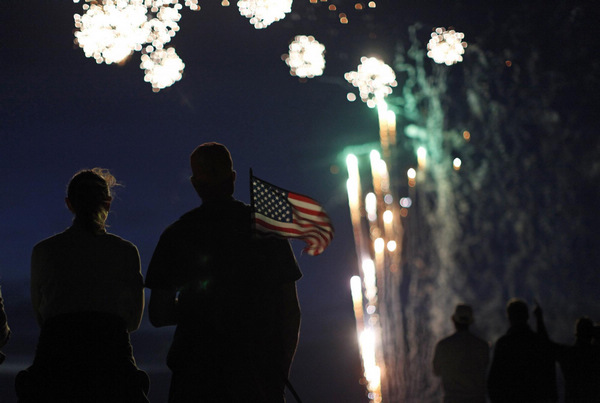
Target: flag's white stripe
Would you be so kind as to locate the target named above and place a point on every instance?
(304, 204)
(324, 228)
(304, 232)
(318, 220)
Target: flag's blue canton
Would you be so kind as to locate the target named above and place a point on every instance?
(271, 202)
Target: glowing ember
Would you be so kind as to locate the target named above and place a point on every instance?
(263, 13)
(446, 46)
(162, 68)
(306, 57)
(374, 80)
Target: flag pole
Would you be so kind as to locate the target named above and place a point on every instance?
(251, 198)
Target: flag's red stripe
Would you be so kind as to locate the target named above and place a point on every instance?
(303, 219)
(314, 247)
(303, 198)
(313, 208)
(313, 213)
(291, 231)
(324, 234)
(308, 224)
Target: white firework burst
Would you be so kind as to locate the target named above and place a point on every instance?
(263, 13)
(306, 57)
(374, 80)
(162, 68)
(112, 30)
(446, 47)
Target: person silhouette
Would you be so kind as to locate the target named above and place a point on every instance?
(232, 296)
(4, 329)
(87, 295)
(523, 362)
(461, 360)
(580, 365)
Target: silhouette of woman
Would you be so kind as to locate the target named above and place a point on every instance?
(87, 295)
(4, 329)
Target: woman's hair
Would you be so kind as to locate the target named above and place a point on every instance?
(89, 191)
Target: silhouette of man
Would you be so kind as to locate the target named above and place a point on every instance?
(461, 360)
(580, 365)
(523, 364)
(231, 295)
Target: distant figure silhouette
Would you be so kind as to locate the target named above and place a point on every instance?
(232, 296)
(461, 360)
(523, 364)
(4, 329)
(580, 365)
(87, 295)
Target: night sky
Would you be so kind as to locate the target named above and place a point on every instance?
(61, 112)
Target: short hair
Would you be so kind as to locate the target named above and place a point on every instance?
(517, 310)
(211, 163)
(463, 314)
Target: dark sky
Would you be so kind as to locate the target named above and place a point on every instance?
(61, 112)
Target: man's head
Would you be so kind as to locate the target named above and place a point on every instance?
(517, 311)
(463, 316)
(212, 171)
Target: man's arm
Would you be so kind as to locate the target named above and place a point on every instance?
(162, 308)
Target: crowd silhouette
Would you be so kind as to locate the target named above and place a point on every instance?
(523, 361)
(232, 297)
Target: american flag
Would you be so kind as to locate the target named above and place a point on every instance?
(290, 215)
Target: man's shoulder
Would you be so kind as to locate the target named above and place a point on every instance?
(517, 338)
(475, 338)
(448, 341)
(185, 221)
(462, 337)
(207, 217)
(209, 211)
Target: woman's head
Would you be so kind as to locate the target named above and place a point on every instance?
(89, 197)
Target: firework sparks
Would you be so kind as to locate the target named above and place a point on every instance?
(110, 32)
(162, 68)
(374, 80)
(263, 13)
(446, 47)
(306, 57)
